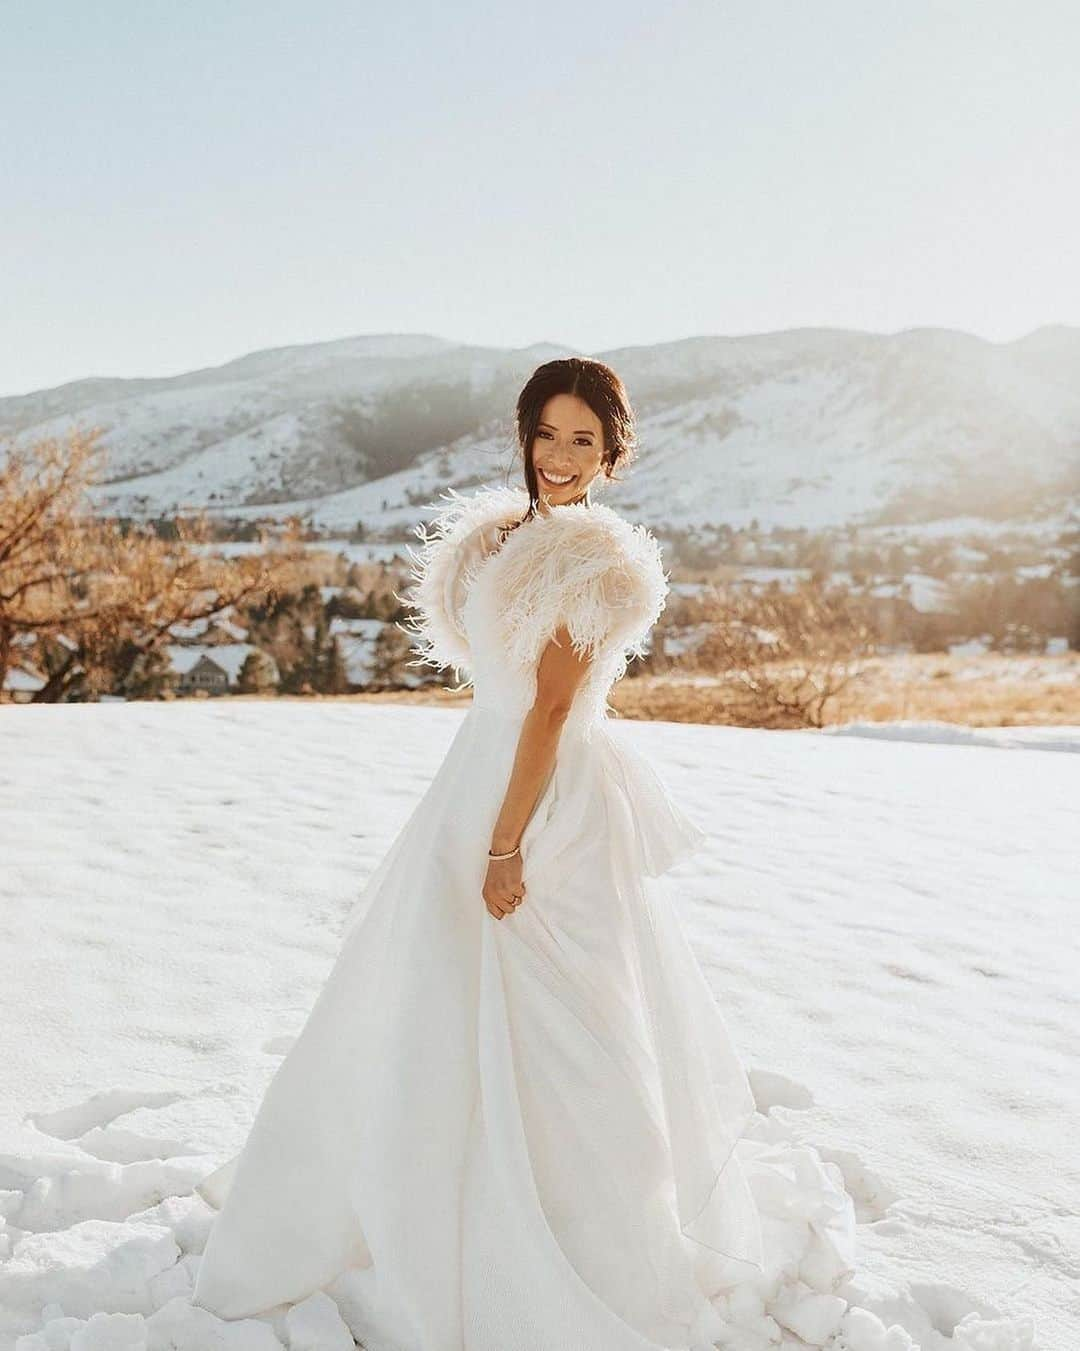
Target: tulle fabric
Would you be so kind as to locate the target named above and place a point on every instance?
(524, 1133)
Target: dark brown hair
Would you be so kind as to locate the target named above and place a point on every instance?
(595, 384)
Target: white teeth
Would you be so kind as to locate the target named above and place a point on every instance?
(559, 479)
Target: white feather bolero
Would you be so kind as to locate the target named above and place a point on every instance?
(582, 566)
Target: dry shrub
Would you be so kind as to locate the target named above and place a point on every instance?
(788, 652)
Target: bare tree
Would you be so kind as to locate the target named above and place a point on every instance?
(93, 597)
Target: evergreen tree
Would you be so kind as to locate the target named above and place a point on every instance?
(150, 676)
(335, 675)
(256, 674)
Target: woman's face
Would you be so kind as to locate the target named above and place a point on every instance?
(568, 451)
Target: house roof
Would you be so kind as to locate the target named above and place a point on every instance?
(198, 628)
(18, 681)
(356, 628)
(229, 657)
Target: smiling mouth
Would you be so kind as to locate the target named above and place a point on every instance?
(556, 480)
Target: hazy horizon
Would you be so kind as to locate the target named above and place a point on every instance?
(540, 342)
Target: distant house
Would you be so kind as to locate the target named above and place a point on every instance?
(213, 669)
(21, 684)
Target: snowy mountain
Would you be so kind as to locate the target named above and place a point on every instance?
(809, 427)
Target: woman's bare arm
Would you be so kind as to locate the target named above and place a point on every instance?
(558, 675)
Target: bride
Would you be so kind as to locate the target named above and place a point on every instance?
(515, 1115)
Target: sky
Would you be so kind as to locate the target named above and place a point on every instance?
(182, 184)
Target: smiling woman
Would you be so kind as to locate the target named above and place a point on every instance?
(574, 422)
(567, 457)
(527, 1125)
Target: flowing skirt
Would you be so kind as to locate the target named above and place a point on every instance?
(525, 1133)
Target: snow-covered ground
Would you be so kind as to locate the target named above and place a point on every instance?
(888, 924)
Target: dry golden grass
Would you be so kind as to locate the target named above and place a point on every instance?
(989, 691)
(973, 691)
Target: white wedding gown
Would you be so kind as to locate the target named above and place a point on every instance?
(528, 1133)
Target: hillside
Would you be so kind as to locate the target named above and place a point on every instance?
(813, 427)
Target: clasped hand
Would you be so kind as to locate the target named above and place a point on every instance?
(503, 888)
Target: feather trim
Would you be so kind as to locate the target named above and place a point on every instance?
(451, 548)
(585, 567)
